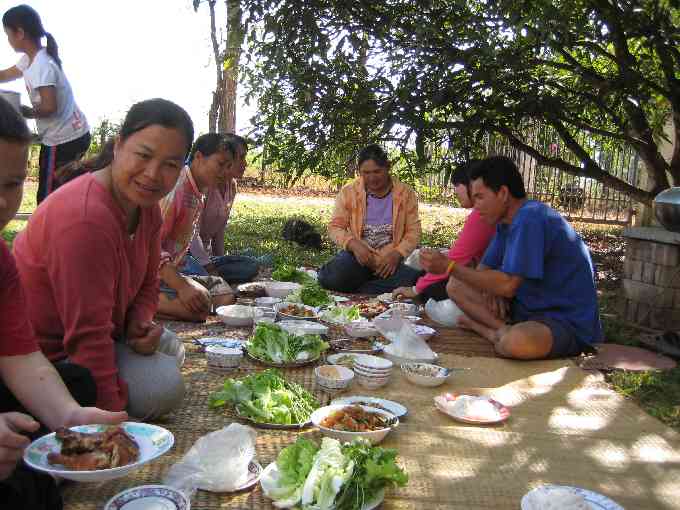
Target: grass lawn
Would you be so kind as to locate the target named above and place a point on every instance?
(257, 222)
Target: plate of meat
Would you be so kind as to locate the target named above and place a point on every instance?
(95, 453)
(370, 309)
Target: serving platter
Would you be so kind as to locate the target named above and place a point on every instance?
(290, 364)
(395, 408)
(273, 426)
(595, 500)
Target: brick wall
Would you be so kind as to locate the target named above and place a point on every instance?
(652, 284)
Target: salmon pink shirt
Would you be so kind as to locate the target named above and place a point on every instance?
(85, 278)
(470, 246)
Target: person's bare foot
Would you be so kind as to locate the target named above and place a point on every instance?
(465, 322)
(470, 324)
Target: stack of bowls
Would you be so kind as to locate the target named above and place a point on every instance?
(371, 371)
(223, 358)
(333, 378)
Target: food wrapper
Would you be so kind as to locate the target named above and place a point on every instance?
(444, 312)
(217, 462)
(405, 342)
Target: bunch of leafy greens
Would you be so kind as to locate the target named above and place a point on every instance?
(311, 294)
(266, 397)
(271, 343)
(374, 469)
(288, 273)
(332, 476)
(341, 314)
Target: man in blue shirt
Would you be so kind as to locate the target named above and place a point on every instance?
(533, 294)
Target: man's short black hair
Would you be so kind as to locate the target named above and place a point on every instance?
(499, 171)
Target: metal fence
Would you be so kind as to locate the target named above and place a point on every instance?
(578, 198)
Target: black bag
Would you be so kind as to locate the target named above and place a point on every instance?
(302, 233)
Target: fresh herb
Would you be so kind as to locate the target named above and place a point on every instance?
(271, 343)
(341, 314)
(288, 273)
(311, 294)
(266, 397)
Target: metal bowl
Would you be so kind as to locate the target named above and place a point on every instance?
(667, 208)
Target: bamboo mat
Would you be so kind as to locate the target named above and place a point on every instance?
(566, 427)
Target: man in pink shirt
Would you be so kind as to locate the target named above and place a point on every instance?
(467, 250)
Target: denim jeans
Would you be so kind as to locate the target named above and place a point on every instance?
(344, 274)
(233, 269)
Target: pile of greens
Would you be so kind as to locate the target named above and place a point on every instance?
(273, 344)
(341, 314)
(311, 294)
(266, 397)
(288, 273)
(333, 476)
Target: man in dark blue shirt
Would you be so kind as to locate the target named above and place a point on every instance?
(533, 294)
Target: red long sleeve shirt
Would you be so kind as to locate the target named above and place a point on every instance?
(85, 278)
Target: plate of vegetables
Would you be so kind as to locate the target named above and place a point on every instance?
(273, 346)
(350, 476)
(312, 294)
(267, 400)
(288, 273)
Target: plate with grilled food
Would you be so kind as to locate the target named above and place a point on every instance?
(95, 453)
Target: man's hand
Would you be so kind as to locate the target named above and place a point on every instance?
(94, 415)
(404, 292)
(387, 264)
(498, 306)
(362, 252)
(12, 443)
(433, 261)
(143, 337)
(194, 296)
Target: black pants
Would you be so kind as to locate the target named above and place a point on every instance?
(52, 157)
(26, 489)
(436, 291)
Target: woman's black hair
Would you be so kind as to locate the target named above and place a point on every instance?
(211, 143)
(376, 153)
(499, 171)
(461, 175)
(27, 19)
(152, 112)
(13, 128)
(239, 141)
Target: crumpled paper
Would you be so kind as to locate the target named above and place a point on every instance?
(405, 342)
(217, 462)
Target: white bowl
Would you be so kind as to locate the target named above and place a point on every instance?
(372, 362)
(281, 289)
(300, 327)
(235, 315)
(223, 357)
(400, 360)
(360, 329)
(371, 382)
(425, 374)
(374, 436)
(280, 306)
(342, 381)
(405, 308)
(267, 302)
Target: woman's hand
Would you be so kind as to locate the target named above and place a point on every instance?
(94, 415)
(12, 443)
(143, 337)
(361, 251)
(433, 261)
(404, 292)
(387, 264)
(194, 296)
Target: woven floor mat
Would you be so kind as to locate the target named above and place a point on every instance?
(566, 427)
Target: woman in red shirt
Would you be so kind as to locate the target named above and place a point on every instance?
(89, 261)
(29, 383)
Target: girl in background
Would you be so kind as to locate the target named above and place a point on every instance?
(62, 127)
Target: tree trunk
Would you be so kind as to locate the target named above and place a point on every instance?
(230, 64)
(213, 114)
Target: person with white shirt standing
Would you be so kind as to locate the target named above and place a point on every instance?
(62, 127)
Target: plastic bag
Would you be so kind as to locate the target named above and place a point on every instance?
(444, 312)
(217, 462)
(405, 342)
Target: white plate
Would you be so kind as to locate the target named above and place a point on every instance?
(386, 298)
(153, 442)
(231, 343)
(424, 332)
(595, 500)
(441, 403)
(303, 327)
(340, 299)
(395, 408)
(272, 471)
(335, 359)
(235, 315)
(156, 497)
(287, 316)
(254, 473)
